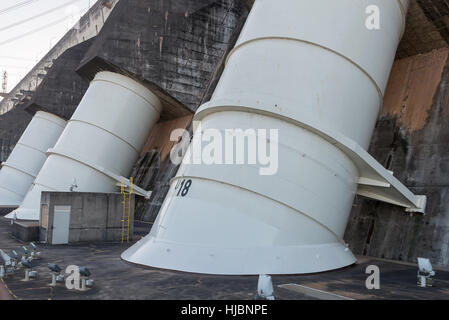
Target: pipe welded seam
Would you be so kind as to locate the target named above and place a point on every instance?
(84, 162)
(3, 187)
(371, 79)
(330, 137)
(31, 147)
(105, 130)
(151, 103)
(263, 196)
(51, 121)
(12, 166)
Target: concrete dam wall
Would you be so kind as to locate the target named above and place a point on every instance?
(411, 139)
(178, 48)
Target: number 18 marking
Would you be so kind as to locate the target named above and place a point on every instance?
(184, 188)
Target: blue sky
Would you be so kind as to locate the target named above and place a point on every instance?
(19, 53)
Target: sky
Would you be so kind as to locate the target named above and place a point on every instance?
(27, 32)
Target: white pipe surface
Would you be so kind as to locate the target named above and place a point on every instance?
(101, 142)
(27, 158)
(306, 68)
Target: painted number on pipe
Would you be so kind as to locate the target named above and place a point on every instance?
(183, 187)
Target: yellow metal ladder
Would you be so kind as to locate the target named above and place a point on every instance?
(126, 220)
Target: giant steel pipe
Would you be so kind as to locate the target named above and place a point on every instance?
(101, 142)
(312, 70)
(27, 158)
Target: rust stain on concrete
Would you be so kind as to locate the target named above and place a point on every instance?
(412, 86)
(159, 137)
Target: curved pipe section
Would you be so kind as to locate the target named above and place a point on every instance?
(27, 158)
(102, 141)
(306, 62)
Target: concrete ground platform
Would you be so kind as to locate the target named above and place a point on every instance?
(116, 279)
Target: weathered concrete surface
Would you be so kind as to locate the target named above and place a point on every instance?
(149, 210)
(159, 137)
(412, 86)
(411, 139)
(424, 31)
(94, 217)
(12, 126)
(26, 231)
(160, 170)
(62, 88)
(174, 46)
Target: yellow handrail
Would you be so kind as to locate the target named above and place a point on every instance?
(126, 220)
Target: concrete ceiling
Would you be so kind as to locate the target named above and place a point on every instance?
(427, 27)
